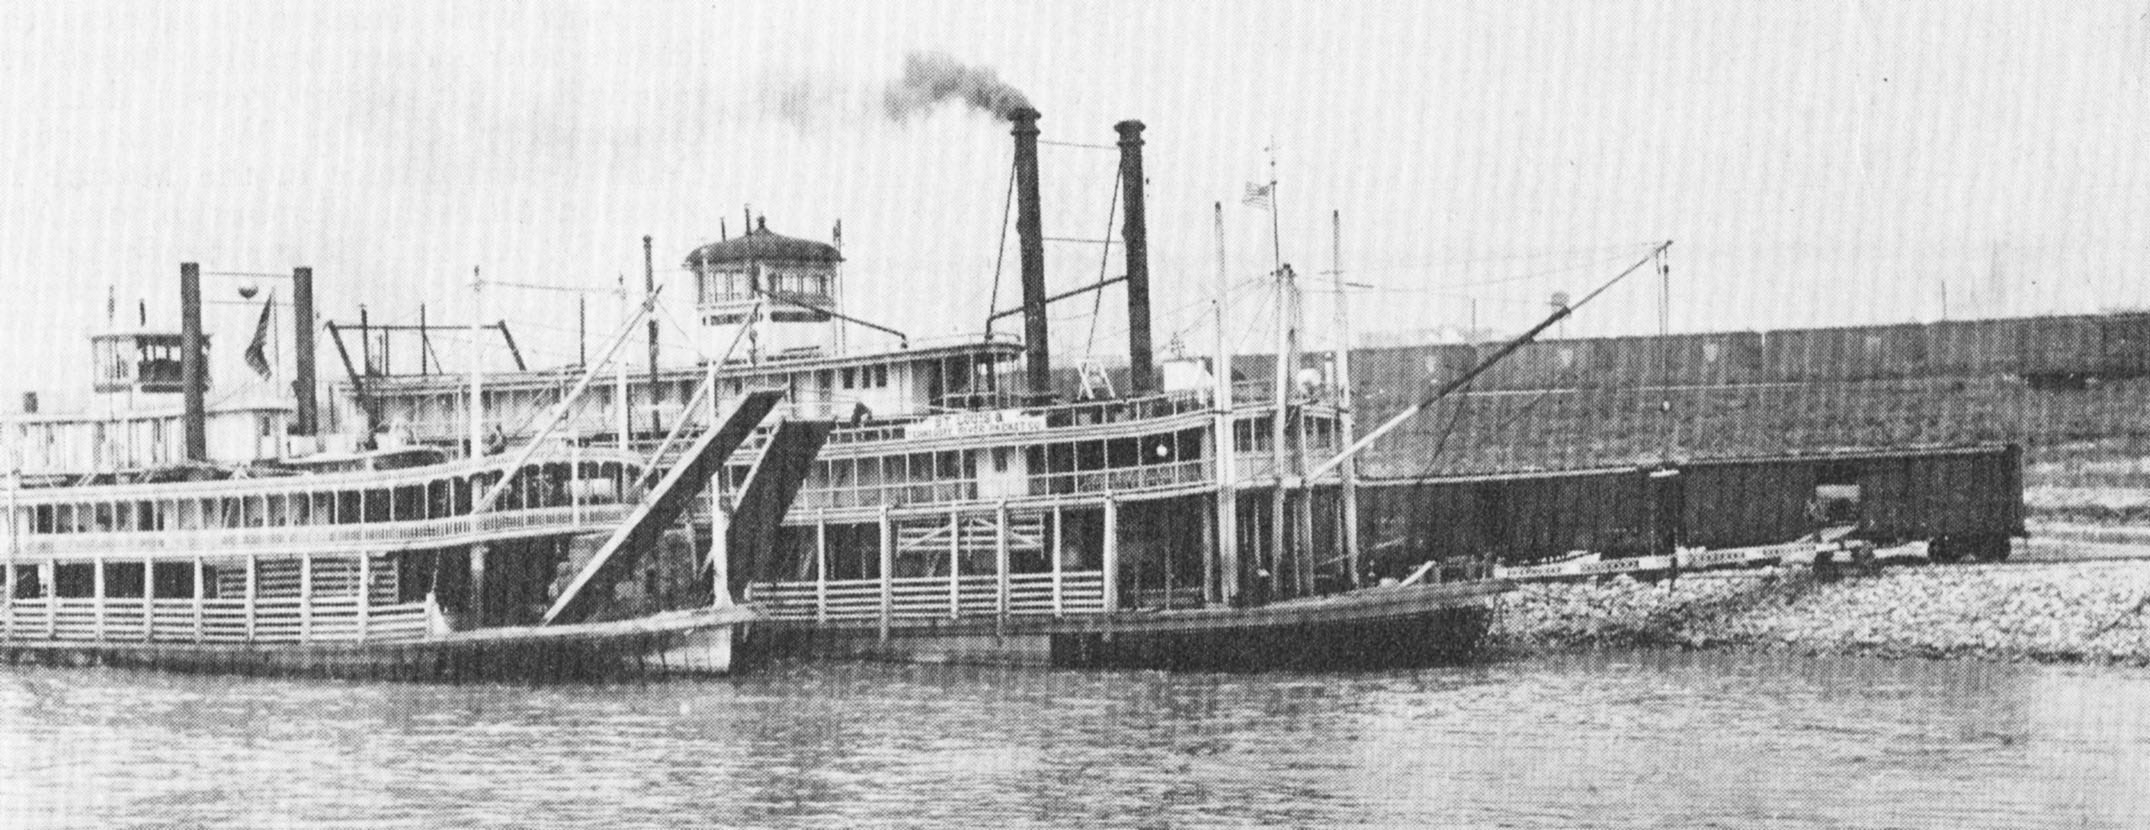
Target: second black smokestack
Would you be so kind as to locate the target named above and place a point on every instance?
(1135, 233)
(302, 345)
(193, 364)
(1030, 236)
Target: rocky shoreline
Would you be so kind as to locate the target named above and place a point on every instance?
(2094, 612)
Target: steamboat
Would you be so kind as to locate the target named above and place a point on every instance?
(926, 501)
(155, 529)
(970, 504)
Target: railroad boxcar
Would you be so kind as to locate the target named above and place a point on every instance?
(1543, 364)
(1509, 518)
(1973, 348)
(1846, 353)
(1964, 500)
(2059, 352)
(2125, 345)
(1709, 359)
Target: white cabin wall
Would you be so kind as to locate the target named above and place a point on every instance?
(1002, 473)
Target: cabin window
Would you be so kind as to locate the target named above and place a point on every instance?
(41, 519)
(74, 580)
(1123, 452)
(850, 378)
(174, 580)
(123, 580)
(409, 503)
(1000, 459)
(880, 376)
(347, 505)
(27, 583)
(1090, 455)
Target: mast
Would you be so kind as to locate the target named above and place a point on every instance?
(1346, 419)
(1279, 388)
(1227, 451)
(649, 290)
(477, 365)
(622, 421)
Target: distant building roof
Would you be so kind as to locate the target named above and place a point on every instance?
(760, 244)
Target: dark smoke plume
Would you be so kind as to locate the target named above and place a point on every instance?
(930, 78)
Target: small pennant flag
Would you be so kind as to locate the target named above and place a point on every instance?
(1258, 195)
(257, 350)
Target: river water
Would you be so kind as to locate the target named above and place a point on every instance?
(1637, 739)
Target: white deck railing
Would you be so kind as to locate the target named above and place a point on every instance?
(369, 536)
(971, 596)
(212, 621)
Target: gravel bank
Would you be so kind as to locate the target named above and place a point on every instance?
(2060, 612)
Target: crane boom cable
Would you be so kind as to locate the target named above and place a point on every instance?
(1480, 367)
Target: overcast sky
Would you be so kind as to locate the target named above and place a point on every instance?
(1816, 163)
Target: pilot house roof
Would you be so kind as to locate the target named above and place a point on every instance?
(762, 245)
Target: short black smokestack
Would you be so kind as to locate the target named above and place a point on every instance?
(931, 78)
(193, 371)
(1136, 236)
(302, 342)
(1030, 236)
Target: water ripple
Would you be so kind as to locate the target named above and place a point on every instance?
(1644, 739)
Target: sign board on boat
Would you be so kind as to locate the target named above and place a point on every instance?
(996, 422)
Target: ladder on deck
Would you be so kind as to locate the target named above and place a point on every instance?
(658, 510)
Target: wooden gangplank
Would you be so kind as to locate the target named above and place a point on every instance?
(663, 506)
(769, 490)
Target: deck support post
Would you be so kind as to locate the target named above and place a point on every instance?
(720, 534)
(1002, 586)
(1112, 555)
(97, 590)
(888, 569)
(48, 578)
(955, 565)
(253, 589)
(1307, 564)
(1059, 584)
(306, 598)
(365, 591)
(14, 545)
(477, 584)
(149, 600)
(201, 629)
(821, 567)
(1209, 558)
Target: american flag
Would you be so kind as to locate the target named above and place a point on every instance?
(257, 357)
(1259, 195)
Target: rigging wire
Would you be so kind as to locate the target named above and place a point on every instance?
(1000, 253)
(1104, 261)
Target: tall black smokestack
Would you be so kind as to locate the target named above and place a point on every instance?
(193, 371)
(302, 342)
(1030, 234)
(1136, 235)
